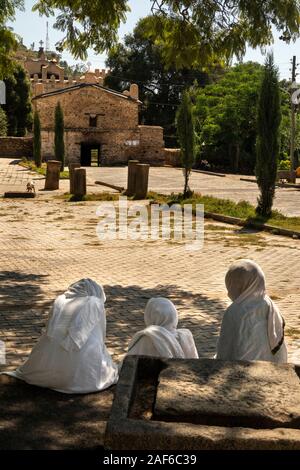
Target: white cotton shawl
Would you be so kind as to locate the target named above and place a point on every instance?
(160, 338)
(71, 356)
(252, 327)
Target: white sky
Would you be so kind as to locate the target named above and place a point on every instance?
(32, 28)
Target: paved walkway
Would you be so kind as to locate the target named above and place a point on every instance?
(162, 179)
(47, 243)
(167, 180)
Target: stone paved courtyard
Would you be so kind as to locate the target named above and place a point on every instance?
(161, 179)
(47, 243)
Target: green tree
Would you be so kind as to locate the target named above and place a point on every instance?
(18, 102)
(225, 118)
(37, 143)
(139, 60)
(268, 138)
(191, 32)
(186, 137)
(59, 130)
(8, 40)
(198, 32)
(3, 123)
(85, 24)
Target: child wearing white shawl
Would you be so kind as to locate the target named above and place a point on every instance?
(160, 338)
(252, 327)
(71, 356)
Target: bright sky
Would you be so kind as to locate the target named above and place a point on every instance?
(32, 28)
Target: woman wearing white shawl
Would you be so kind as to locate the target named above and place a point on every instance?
(71, 356)
(160, 338)
(252, 327)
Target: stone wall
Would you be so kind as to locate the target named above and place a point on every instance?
(172, 157)
(16, 147)
(114, 112)
(151, 146)
(115, 147)
(117, 132)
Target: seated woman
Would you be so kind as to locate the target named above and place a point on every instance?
(160, 338)
(71, 356)
(252, 327)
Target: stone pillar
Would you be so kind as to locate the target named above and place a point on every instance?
(44, 73)
(62, 76)
(72, 167)
(79, 182)
(131, 177)
(52, 175)
(52, 81)
(141, 180)
(134, 91)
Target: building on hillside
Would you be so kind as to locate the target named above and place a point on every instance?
(101, 125)
(47, 72)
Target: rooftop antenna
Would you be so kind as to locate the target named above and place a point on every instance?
(47, 39)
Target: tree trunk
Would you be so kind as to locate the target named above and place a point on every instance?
(237, 158)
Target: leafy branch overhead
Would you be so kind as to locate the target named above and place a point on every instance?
(85, 24)
(190, 31)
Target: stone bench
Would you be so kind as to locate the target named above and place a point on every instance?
(204, 404)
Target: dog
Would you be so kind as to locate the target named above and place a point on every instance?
(30, 187)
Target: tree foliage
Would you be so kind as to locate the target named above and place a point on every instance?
(59, 131)
(3, 123)
(8, 40)
(191, 32)
(18, 102)
(225, 118)
(198, 32)
(85, 24)
(268, 138)
(37, 143)
(139, 61)
(186, 137)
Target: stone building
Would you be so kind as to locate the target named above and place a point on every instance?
(47, 74)
(101, 125)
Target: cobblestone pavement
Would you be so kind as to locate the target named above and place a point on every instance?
(167, 180)
(47, 243)
(162, 179)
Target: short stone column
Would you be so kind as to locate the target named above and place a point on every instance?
(72, 167)
(131, 177)
(79, 182)
(141, 180)
(52, 175)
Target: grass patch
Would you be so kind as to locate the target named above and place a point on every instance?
(105, 196)
(64, 175)
(243, 209)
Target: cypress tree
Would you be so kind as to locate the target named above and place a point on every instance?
(268, 136)
(186, 138)
(37, 144)
(59, 146)
(18, 102)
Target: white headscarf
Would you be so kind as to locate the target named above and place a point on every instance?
(245, 282)
(85, 287)
(161, 319)
(71, 356)
(73, 320)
